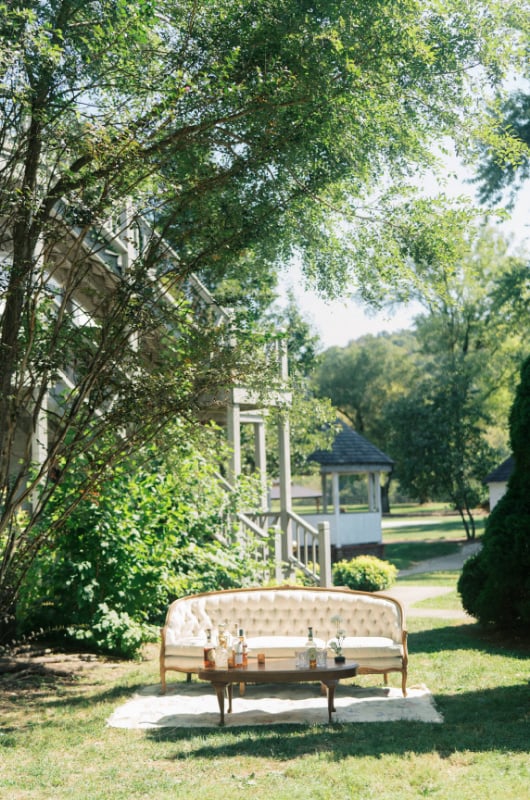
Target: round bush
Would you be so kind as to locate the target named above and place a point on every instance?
(495, 583)
(365, 573)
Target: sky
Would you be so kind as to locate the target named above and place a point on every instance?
(339, 322)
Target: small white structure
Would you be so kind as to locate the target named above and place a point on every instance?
(351, 454)
(497, 481)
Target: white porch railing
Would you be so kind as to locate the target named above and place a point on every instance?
(309, 547)
(295, 545)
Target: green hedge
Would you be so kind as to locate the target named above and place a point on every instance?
(365, 573)
(495, 583)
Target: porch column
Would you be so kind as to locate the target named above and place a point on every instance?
(39, 445)
(374, 491)
(233, 434)
(261, 460)
(324, 489)
(335, 487)
(285, 486)
(39, 439)
(284, 454)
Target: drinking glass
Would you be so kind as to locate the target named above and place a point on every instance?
(302, 659)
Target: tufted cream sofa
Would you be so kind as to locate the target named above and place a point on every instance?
(276, 620)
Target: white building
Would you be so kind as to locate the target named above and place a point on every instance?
(497, 481)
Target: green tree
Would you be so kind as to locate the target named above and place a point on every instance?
(152, 532)
(310, 417)
(362, 378)
(242, 139)
(365, 375)
(438, 436)
(446, 428)
(504, 148)
(495, 583)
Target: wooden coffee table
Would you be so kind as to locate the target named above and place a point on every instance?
(276, 670)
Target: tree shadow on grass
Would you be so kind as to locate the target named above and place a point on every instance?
(468, 637)
(479, 721)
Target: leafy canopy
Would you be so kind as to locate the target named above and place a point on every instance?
(242, 139)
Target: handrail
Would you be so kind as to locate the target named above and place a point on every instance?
(310, 551)
(262, 541)
(305, 540)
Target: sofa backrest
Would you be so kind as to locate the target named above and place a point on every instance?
(285, 611)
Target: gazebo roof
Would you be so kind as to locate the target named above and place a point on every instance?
(351, 450)
(501, 473)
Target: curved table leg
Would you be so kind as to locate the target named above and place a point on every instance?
(331, 685)
(221, 689)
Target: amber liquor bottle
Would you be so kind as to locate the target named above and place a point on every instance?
(209, 651)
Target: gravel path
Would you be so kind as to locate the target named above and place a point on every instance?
(409, 595)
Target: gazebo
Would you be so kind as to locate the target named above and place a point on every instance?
(359, 530)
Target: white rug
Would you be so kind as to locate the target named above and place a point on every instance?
(194, 705)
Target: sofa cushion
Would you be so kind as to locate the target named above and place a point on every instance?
(279, 646)
(189, 647)
(365, 647)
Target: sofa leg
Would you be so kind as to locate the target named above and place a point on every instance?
(385, 678)
(188, 677)
(404, 682)
(162, 681)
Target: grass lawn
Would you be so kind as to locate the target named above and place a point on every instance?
(54, 744)
(434, 528)
(417, 540)
(407, 554)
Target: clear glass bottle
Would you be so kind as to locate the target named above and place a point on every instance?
(221, 651)
(311, 648)
(241, 657)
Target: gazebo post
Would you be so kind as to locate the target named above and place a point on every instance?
(336, 506)
(324, 485)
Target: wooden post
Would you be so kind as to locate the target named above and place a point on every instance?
(285, 487)
(233, 432)
(261, 463)
(336, 507)
(285, 467)
(324, 554)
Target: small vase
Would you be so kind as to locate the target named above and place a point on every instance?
(340, 659)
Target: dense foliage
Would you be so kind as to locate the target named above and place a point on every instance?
(364, 573)
(436, 398)
(150, 533)
(495, 583)
(242, 136)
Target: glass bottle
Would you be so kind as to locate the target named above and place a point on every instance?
(209, 651)
(311, 648)
(221, 651)
(241, 650)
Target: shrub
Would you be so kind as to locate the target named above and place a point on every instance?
(125, 552)
(495, 584)
(114, 632)
(365, 573)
